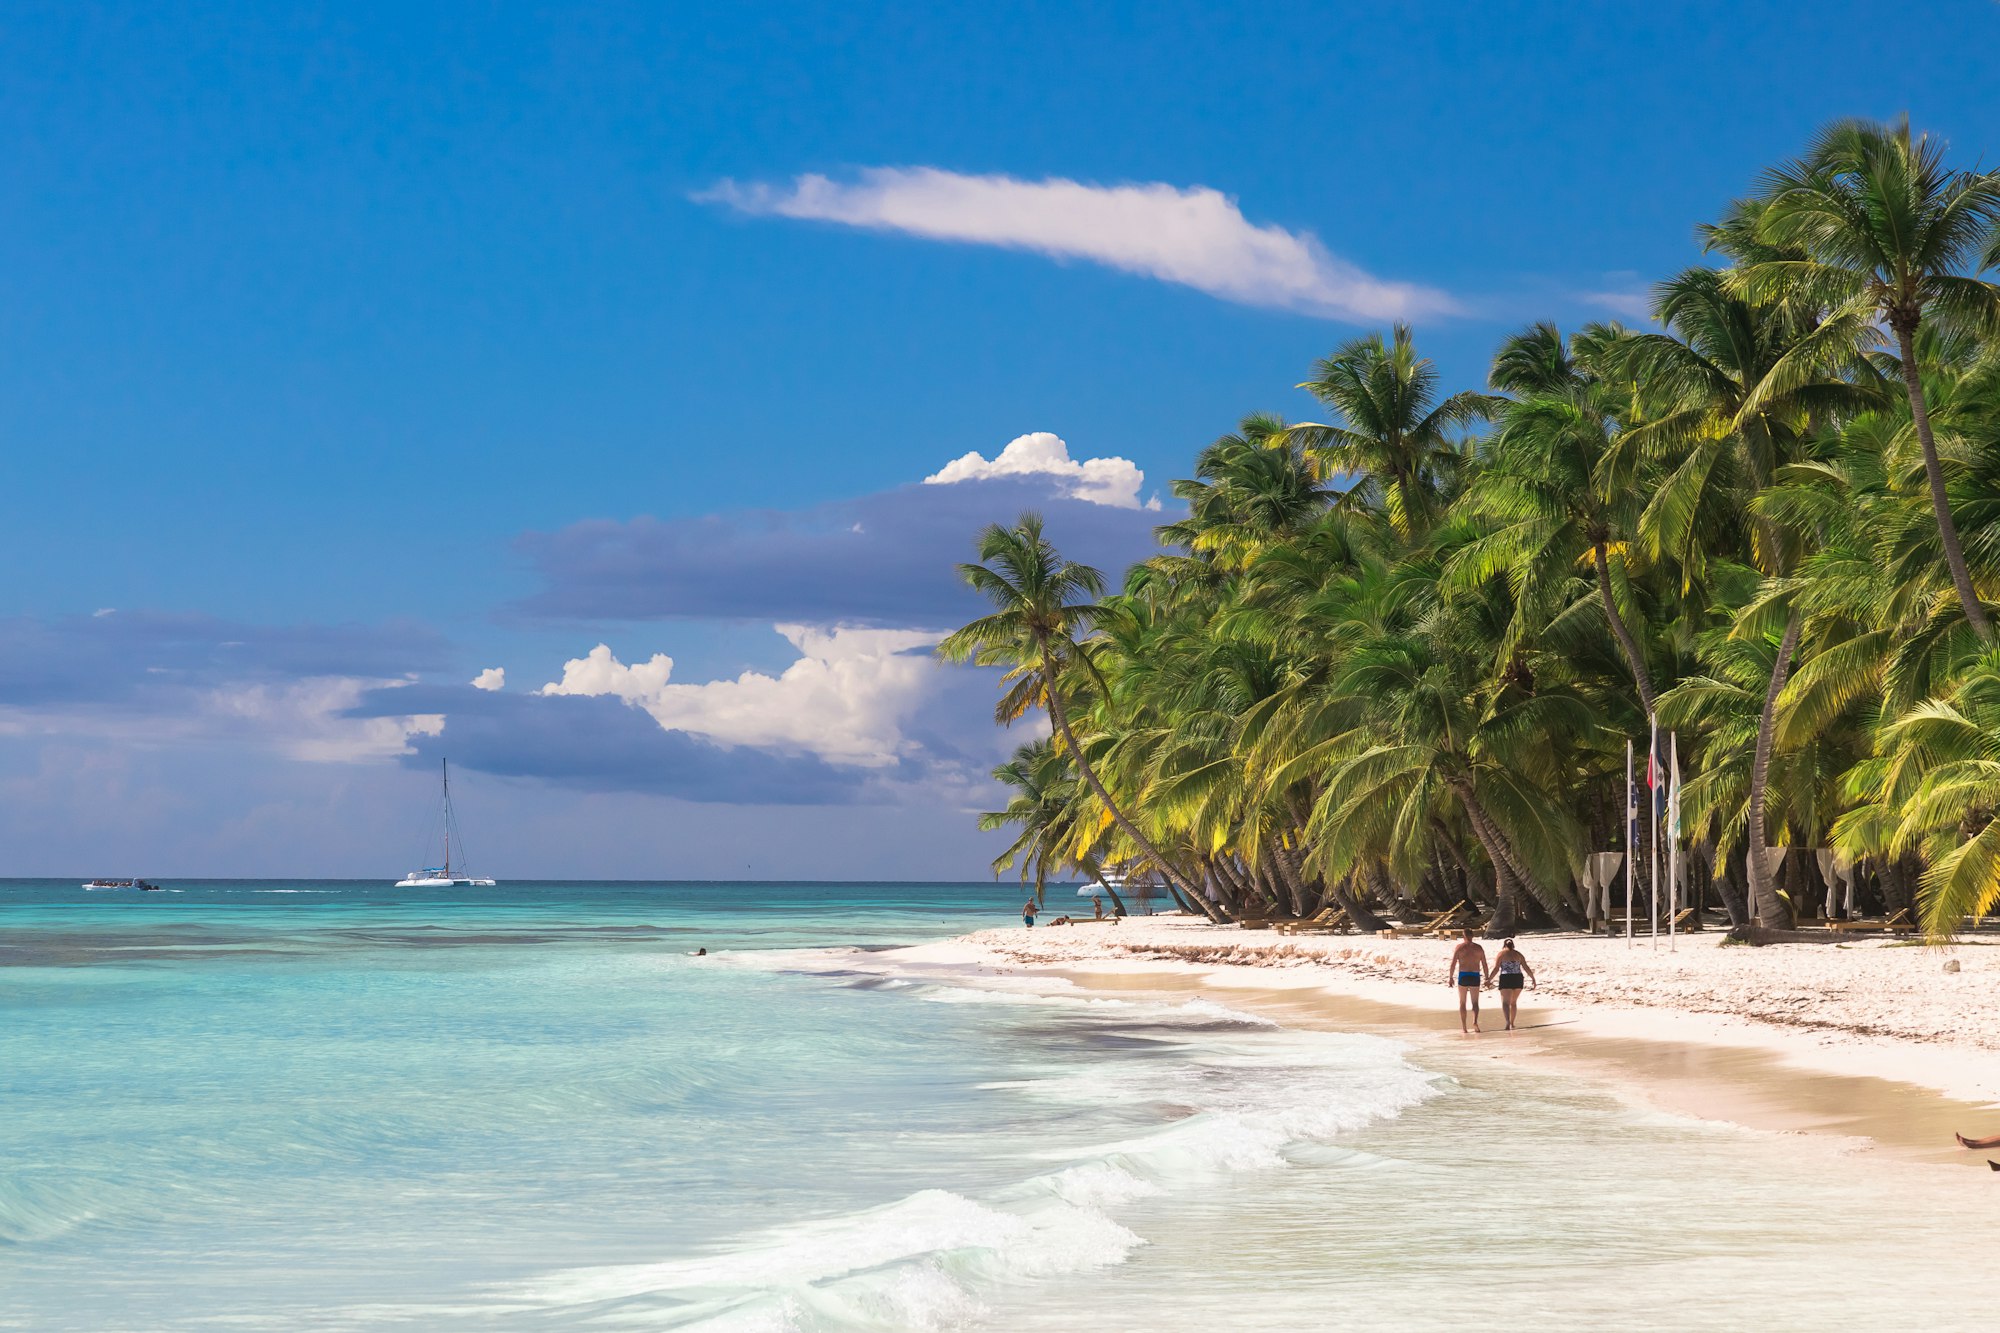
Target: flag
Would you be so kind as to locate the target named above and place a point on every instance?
(1656, 776)
(1674, 796)
(1631, 805)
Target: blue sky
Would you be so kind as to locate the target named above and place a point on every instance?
(348, 352)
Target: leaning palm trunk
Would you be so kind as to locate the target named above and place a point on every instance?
(1341, 891)
(1233, 883)
(1304, 901)
(1391, 893)
(1509, 867)
(1060, 714)
(1105, 884)
(1197, 905)
(1620, 630)
(1767, 908)
(1954, 554)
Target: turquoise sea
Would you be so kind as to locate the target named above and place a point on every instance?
(334, 1105)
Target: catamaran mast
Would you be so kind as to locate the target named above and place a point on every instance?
(446, 763)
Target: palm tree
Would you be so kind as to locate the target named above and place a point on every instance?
(1941, 784)
(1034, 633)
(1395, 437)
(1045, 808)
(1887, 230)
(1553, 485)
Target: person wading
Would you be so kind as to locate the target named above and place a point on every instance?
(1468, 973)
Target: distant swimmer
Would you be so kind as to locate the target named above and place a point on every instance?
(1468, 973)
(1028, 913)
(701, 953)
(1508, 965)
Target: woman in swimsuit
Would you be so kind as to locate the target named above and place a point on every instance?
(1509, 965)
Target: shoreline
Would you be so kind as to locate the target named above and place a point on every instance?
(1805, 1053)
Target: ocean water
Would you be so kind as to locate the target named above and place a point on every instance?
(250, 1105)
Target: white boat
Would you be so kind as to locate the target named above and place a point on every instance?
(1107, 879)
(442, 877)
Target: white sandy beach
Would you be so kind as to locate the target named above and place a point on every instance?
(1873, 1038)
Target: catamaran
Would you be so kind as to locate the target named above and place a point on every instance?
(441, 877)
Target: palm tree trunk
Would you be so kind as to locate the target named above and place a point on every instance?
(1391, 893)
(1733, 892)
(1105, 884)
(1508, 864)
(1444, 839)
(1364, 919)
(1954, 554)
(1288, 872)
(1620, 630)
(1766, 907)
(1175, 897)
(1201, 904)
(1225, 871)
(1060, 715)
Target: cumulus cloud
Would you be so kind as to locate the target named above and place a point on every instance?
(493, 678)
(1105, 481)
(843, 700)
(888, 559)
(1196, 236)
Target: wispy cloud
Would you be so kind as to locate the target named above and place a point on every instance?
(1196, 236)
(1625, 294)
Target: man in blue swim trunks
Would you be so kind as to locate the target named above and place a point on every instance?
(1468, 973)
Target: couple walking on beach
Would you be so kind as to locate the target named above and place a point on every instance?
(1470, 971)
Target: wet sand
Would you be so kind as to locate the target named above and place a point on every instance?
(1844, 1089)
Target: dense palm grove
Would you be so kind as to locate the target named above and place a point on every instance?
(1390, 660)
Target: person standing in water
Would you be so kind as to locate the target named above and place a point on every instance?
(1468, 973)
(1509, 965)
(1028, 914)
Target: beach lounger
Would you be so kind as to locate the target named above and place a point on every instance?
(1686, 920)
(1332, 921)
(1448, 922)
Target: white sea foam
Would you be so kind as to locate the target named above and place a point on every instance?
(1227, 1095)
(915, 1263)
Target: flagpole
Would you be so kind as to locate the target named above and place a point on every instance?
(1653, 809)
(1673, 835)
(1631, 840)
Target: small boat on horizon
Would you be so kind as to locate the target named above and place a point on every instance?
(139, 884)
(441, 877)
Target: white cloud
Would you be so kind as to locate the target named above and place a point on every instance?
(1105, 481)
(1625, 294)
(1196, 237)
(844, 699)
(305, 719)
(493, 678)
(302, 719)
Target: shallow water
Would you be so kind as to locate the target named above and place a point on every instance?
(334, 1106)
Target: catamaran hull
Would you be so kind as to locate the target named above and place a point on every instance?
(441, 883)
